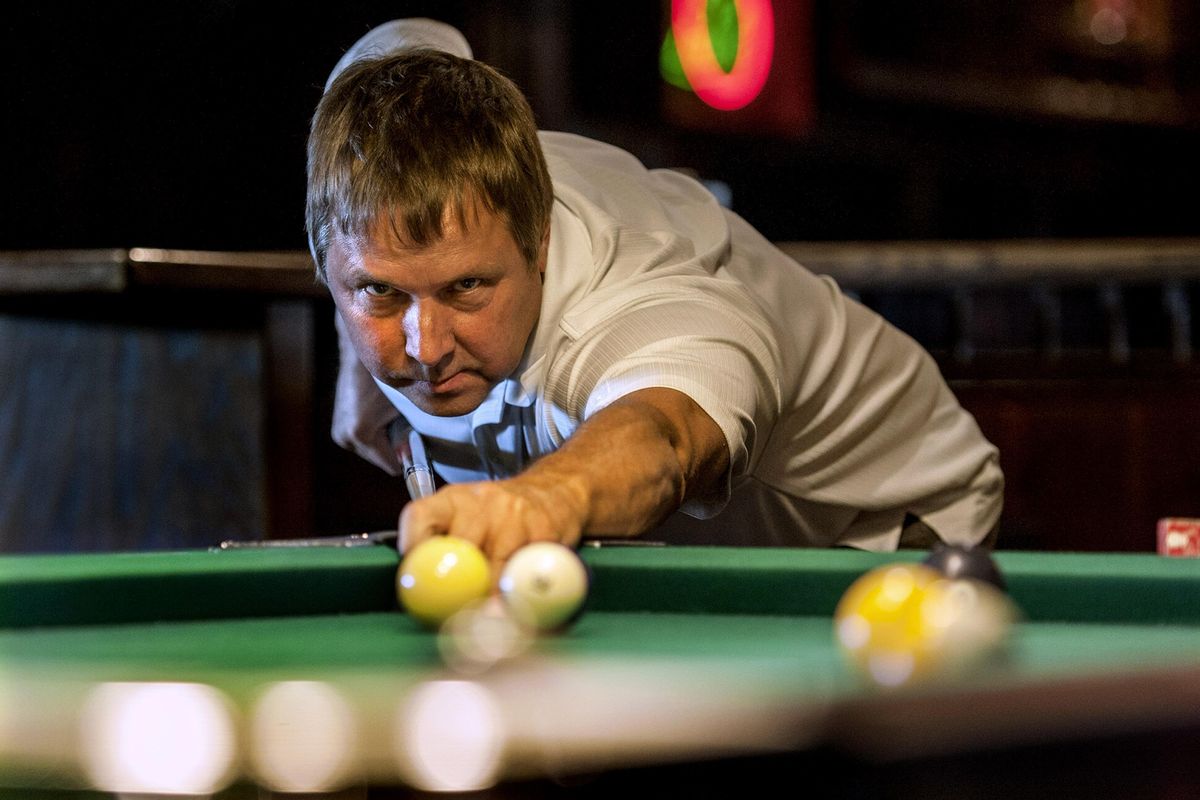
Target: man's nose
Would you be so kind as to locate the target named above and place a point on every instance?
(428, 333)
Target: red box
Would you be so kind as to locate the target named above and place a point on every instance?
(1179, 536)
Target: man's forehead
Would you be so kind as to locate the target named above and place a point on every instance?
(387, 240)
(383, 238)
(401, 230)
(365, 255)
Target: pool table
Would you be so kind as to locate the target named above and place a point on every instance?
(698, 670)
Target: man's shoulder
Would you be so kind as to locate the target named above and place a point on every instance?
(573, 150)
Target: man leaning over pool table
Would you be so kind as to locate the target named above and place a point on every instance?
(588, 347)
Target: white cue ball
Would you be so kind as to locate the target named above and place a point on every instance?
(545, 584)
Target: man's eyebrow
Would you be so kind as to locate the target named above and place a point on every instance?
(357, 272)
(483, 268)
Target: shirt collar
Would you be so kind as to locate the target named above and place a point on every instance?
(489, 412)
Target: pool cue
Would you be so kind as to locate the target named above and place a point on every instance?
(409, 446)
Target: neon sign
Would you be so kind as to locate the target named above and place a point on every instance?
(696, 43)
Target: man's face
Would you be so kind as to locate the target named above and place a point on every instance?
(443, 323)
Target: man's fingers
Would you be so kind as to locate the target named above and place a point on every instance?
(495, 516)
(420, 520)
(465, 517)
(461, 511)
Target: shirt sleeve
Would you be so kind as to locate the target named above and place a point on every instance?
(700, 345)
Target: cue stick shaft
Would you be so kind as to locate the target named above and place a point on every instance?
(353, 540)
(418, 477)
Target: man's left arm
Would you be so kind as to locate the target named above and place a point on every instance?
(624, 470)
(361, 413)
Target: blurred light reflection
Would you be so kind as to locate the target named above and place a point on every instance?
(157, 738)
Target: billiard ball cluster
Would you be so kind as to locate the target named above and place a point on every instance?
(908, 623)
(543, 585)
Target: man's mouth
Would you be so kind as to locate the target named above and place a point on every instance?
(447, 384)
(443, 384)
(439, 384)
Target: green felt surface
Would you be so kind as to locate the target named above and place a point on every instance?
(86, 589)
(324, 608)
(390, 641)
(126, 587)
(1079, 587)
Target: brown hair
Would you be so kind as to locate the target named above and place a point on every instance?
(410, 136)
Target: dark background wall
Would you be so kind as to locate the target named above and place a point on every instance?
(183, 124)
(179, 411)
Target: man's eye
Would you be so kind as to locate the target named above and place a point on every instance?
(467, 284)
(377, 289)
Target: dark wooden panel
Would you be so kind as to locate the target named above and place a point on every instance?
(287, 404)
(1091, 465)
(116, 436)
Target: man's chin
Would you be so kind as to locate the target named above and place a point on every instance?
(448, 408)
(445, 403)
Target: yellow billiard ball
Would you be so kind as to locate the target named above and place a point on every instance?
(441, 576)
(879, 627)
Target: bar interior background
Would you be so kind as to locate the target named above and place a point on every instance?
(1011, 183)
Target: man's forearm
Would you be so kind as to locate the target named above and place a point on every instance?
(635, 462)
(623, 471)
